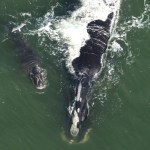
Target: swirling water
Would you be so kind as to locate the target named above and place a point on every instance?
(32, 119)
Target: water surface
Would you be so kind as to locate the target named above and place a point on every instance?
(34, 120)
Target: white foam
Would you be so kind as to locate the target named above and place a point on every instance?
(73, 29)
(75, 120)
(25, 14)
(19, 27)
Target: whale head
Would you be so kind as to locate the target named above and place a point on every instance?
(78, 117)
(79, 109)
(74, 130)
(38, 77)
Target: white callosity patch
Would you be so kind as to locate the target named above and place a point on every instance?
(75, 118)
(79, 92)
(124, 28)
(43, 78)
(74, 130)
(71, 108)
(78, 98)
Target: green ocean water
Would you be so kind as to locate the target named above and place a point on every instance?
(36, 120)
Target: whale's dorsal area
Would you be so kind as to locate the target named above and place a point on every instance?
(91, 52)
(86, 66)
(29, 60)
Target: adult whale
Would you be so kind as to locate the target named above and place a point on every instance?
(86, 66)
(29, 61)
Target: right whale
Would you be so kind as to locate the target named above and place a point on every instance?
(29, 60)
(86, 66)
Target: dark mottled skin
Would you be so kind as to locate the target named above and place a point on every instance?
(91, 52)
(29, 60)
(24, 51)
(89, 63)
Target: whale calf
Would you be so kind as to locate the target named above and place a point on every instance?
(86, 66)
(29, 61)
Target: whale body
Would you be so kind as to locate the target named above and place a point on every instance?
(86, 66)
(29, 61)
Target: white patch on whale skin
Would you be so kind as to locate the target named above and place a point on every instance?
(78, 110)
(79, 91)
(74, 130)
(71, 108)
(43, 73)
(75, 118)
(80, 99)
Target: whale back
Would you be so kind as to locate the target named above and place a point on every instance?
(91, 52)
(86, 66)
